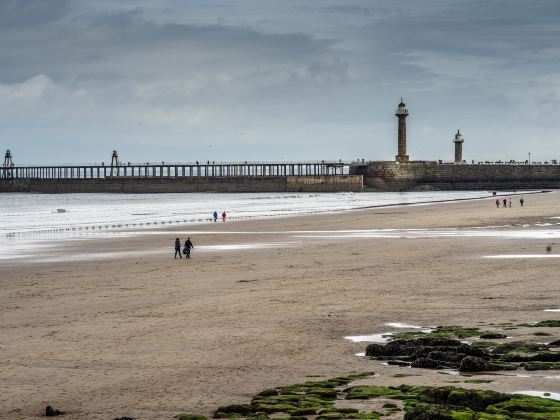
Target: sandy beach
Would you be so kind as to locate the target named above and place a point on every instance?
(117, 327)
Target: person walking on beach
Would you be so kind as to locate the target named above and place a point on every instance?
(178, 248)
(224, 215)
(521, 201)
(510, 202)
(505, 202)
(187, 248)
(497, 203)
(215, 216)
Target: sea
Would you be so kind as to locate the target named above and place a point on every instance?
(27, 220)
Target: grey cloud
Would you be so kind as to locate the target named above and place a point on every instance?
(293, 78)
(28, 14)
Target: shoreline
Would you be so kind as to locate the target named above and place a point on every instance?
(150, 337)
(130, 230)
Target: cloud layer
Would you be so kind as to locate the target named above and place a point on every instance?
(267, 80)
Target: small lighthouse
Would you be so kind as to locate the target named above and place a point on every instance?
(115, 163)
(458, 147)
(8, 162)
(401, 113)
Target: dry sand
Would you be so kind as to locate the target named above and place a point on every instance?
(147, 336)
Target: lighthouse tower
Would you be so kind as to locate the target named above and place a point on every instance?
(115, 163)
(8, 162)
(401, 113)
(458, 147)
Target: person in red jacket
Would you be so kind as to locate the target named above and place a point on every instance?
(224, 215)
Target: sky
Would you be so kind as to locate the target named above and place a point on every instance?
(263, 80)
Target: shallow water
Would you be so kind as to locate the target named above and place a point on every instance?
(403, 325)
(523, 256)
(27, 220)
(439, 233)
(551, 395)
(85, 256)
(371, 338)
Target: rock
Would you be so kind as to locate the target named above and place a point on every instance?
(492, 336)
(240, 409)
(446, 356)
(428, 413)
(425, 363)
(474, 399)
(374, 350)
(447, 350)
(473, 364)
(51, 412)
(438, 342)
(269, 393)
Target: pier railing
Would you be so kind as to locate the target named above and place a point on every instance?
(176, 170)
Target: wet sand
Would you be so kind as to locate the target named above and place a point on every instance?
(117, 327)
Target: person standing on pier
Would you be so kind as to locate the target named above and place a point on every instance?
(177, 248)
(224, 215)
(187, 249)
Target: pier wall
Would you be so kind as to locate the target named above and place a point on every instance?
(304, 183)
(393, 176)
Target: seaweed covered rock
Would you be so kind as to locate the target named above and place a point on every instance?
(473, 364)
(492, 336)
(474, 399)
(426, 412)
(426, 363)
(227, 411)
(426, 352)
(182, 416)
(446, 356)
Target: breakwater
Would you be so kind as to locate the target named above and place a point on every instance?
(395, 176)
(182, 178)
(288, 183)
(276, 177)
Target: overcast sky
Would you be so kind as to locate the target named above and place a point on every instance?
(277, 80)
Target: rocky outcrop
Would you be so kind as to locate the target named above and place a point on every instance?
(429, 353)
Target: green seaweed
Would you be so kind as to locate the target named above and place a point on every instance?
(526, 407)
(365, 392)
(295, 402)
(189, 416)
(442, 331)
(518, 346)
(542, 366)
(550, 323)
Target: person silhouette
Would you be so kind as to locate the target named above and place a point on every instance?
(187, 248)
(178, 248)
